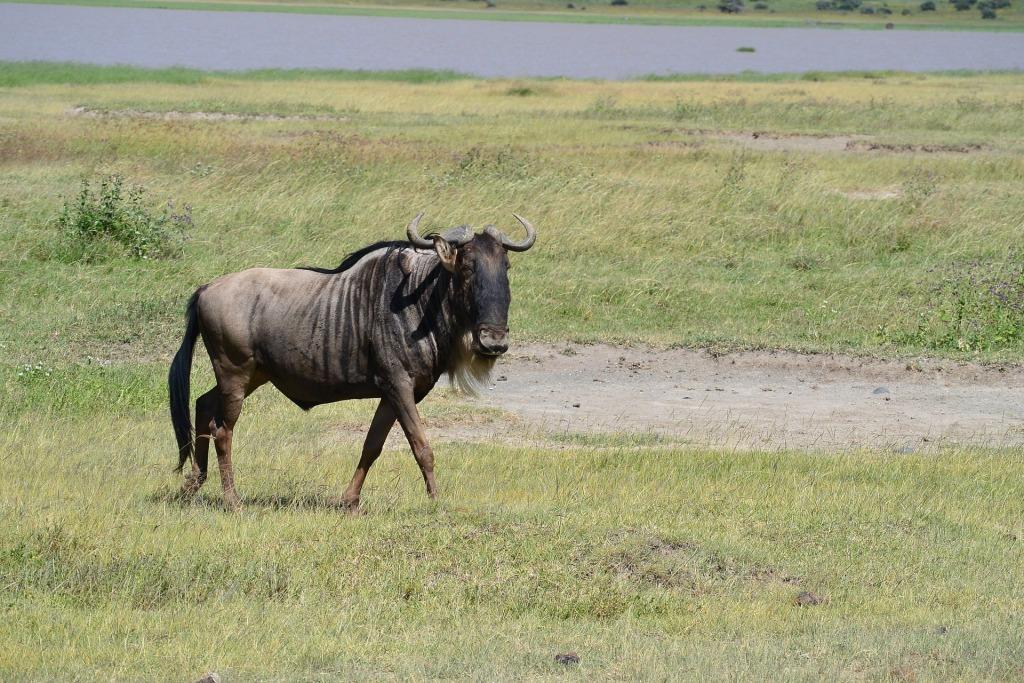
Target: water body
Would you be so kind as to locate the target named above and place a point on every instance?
(237, 41)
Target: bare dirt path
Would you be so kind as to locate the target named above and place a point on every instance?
(770, 400)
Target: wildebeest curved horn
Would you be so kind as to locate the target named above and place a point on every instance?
(531, 237)
(412, 232)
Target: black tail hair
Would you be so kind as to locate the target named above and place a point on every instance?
(178, 382)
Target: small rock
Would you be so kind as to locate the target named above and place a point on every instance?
(575, 405)
(502, 378)
(808, 599)
(942, 630)
(209, 677)
(905, 450)
(880, 390)
(567, 659)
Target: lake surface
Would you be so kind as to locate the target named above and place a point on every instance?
(243, 40)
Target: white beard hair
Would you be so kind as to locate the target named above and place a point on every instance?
(469, 373)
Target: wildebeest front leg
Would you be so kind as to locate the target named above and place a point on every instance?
(383, 421)
(403, 401)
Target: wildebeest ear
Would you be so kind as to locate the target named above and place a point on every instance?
(446, 252)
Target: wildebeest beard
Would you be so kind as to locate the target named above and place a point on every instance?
(469, 372)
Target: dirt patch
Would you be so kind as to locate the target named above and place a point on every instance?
(869, 146)
(768, 141)
(195, 115)
(768, 400)
(791, 142)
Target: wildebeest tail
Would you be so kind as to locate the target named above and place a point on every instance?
(178, 382)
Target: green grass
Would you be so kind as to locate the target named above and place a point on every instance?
(658, 223)
(654, 227)
(18, 74)
(21, 74)
(781, 13)
(650, 564)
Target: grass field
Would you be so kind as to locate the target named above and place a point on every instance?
(871, 214)
(869, 14)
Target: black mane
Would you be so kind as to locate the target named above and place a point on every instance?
(353, 258)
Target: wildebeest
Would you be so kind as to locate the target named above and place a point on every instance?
(386, 323)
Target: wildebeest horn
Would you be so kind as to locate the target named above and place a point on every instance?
(455, 237)
(412, 232)
(531, 237)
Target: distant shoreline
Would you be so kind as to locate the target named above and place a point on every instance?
(712, 19)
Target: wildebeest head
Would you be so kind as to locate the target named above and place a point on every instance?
(479, 264)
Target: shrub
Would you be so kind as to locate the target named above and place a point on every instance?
(867, 10)
(823, 5)
(848, 5)
(730, 6)
(927, 6)
(760, 5)
(115, 220)
(884, 10)
(906, 12)
(619, 3)
(988, 13)
(971, 306)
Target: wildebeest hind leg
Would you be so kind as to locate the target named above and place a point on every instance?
(206, 410)
(223, 429)
(404, 402)
(232, 389)
(380, 426)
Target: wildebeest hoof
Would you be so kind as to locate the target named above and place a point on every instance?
(191, 485)
(350, 506)
(232, 504)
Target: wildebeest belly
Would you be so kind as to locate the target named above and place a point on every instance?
(316, 370)
(309, 394)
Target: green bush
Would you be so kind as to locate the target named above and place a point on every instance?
(973, 306)
(115, 220)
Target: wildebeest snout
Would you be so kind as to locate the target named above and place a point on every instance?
(491, 341)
